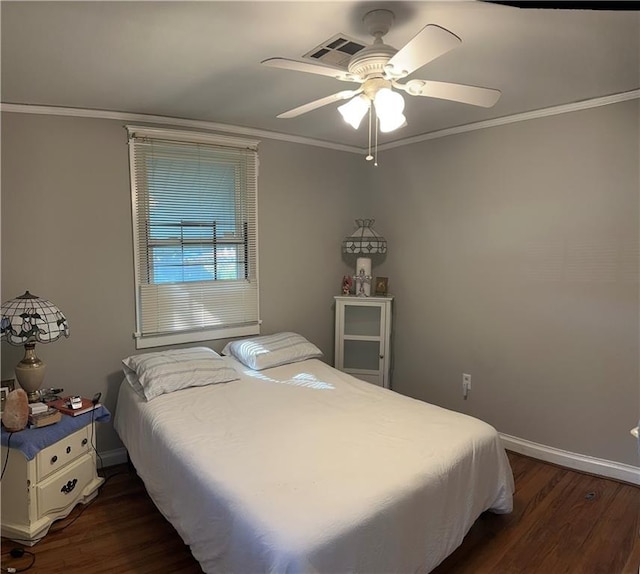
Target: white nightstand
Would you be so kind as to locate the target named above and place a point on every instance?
(36, 492)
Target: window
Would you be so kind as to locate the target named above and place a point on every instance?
(194, 204)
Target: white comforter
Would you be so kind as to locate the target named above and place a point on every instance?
(304, 469)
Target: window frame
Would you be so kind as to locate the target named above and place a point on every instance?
(203, 333)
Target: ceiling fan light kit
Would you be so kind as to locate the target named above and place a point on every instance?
(379, 67)
(389, 107)
(354, 110)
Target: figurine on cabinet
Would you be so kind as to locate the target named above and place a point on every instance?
(363, 284)
(347, 284)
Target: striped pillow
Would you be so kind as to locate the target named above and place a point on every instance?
(272, 350)
(155, 374)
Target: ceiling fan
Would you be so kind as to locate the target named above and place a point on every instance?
(380, 67)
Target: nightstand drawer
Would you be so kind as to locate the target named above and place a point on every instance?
(62, 490)
(64, 451)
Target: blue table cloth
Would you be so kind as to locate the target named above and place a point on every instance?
(31, 441)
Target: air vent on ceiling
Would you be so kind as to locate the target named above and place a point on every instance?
(336, 51)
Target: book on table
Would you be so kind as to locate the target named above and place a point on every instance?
(36, 408)
(63, 405)
(46, 418)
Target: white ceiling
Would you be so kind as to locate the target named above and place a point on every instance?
(201, 60)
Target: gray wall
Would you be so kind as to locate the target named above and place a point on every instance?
(513, 254)
(66, 236)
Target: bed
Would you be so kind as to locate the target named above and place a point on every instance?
(300, 468)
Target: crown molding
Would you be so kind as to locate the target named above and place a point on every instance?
(523, 117)
(169, 121)
(227, 128)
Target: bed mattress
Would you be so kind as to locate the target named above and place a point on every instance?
(304, 469)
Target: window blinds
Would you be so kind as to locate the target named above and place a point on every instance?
(194, 200)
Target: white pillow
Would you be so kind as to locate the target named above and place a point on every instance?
(272, 350)
(162, 372)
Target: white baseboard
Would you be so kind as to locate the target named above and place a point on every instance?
(592, 465)
(112, 457)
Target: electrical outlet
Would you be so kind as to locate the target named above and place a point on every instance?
(466, 385)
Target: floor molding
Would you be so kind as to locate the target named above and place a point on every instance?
(112, 457)
(575, 461)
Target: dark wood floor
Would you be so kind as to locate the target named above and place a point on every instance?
(563, 522)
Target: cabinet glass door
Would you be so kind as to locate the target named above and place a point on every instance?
(362, 320)
(362, 355)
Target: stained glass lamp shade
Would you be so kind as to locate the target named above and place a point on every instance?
(364, 241)
(28, 319)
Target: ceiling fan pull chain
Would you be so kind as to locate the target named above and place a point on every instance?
(369, 156)
(375, 161)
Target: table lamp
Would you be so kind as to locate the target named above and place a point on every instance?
(28, 319)
(364, 241)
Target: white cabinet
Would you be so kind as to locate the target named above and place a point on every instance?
(36, 492)
(363, 338)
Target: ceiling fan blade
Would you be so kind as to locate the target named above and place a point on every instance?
(295, 65)
(427, 45)
(344, 95)
(483, 97)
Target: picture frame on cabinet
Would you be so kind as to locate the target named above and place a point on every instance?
(382, 286)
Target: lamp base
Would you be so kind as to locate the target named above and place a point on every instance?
(30, 372)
